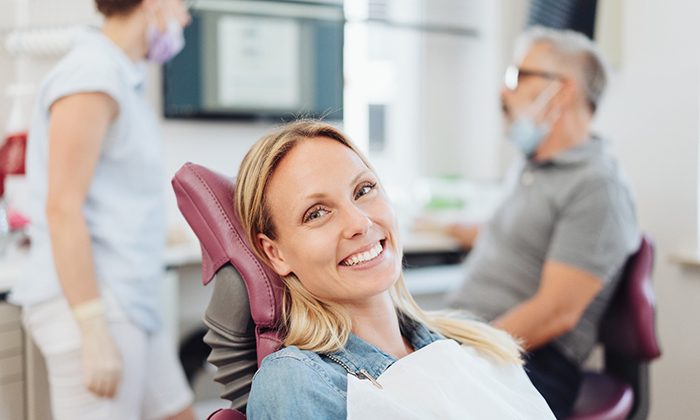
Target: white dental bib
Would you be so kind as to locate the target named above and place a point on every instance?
(445, 380)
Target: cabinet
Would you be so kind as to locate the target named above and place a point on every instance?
(24, 389)
(12, 374)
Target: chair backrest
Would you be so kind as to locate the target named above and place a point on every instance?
(205, 199)
(628, 327)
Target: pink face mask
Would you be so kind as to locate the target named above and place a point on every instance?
(162, 46)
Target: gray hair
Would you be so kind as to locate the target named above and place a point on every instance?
(575, 51)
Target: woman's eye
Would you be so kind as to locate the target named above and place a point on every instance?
(365, 189)
(315, 214)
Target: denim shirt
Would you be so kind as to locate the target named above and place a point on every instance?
(294, 383)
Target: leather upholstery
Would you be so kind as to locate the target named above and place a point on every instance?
(629, 326)
(628, 337)
(205, 199)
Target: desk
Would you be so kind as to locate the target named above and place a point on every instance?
(439, 279)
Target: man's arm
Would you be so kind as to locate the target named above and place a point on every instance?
(563, 296)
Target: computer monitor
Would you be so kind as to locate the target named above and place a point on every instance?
(258, 59)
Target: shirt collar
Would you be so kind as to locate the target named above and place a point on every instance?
(135, 72)
(358, 353)
(581, 153)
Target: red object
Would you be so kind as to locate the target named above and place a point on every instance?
(16, 220)
(12, 153)
(226, 414)
(628, 337)
(205, 199)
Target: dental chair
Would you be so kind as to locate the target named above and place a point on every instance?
(628, 337)
(243, 314)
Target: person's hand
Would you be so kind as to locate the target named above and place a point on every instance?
(464, 233)
(429, 225)
(102, 363)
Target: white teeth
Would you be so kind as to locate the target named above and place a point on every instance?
(364, 256)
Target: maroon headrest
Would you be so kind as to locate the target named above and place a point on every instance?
(205, 199)
(629, 325)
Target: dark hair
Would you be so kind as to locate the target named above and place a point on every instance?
(116, 7)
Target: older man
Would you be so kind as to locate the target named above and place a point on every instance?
(545, 266)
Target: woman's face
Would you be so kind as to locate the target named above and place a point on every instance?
(335, 227)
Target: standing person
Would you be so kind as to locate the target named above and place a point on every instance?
(546, 265)
(98, 232)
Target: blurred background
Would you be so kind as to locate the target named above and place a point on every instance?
(415, 83)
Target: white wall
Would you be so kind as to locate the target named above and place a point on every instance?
(219, 146)
(651, 116)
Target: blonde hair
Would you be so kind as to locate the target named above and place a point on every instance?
(311, 323)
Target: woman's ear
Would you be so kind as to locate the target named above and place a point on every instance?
(273, 253)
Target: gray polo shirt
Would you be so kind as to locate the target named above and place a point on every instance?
(574, 209)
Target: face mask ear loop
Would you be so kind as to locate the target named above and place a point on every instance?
(541, 101)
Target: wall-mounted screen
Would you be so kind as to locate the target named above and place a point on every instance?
(258, 59)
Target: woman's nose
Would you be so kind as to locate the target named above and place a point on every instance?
(355, 222)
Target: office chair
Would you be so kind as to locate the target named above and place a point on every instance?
(628, 337)
(244, 311)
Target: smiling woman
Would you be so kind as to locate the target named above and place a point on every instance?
(315, 211)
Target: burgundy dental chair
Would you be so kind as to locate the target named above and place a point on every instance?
(243, 315)
(244, 311)
(628, 336)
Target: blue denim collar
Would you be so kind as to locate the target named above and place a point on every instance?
(358, 354)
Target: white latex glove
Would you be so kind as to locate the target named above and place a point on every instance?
(102, 363)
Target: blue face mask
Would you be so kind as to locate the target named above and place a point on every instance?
(525, 133)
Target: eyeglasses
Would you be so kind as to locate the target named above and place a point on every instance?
(514, 73)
